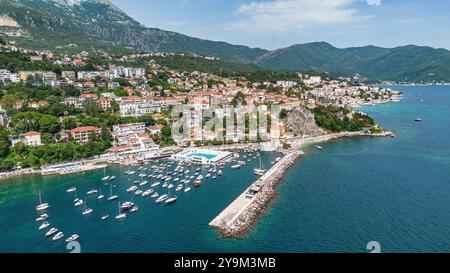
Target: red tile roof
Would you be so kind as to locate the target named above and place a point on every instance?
(86, 128)
(33, 133)
(119, 148)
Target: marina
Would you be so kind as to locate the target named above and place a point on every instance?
(355, 175)
(239, 216)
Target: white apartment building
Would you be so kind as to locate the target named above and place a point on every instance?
(124, 131)
(136, 107)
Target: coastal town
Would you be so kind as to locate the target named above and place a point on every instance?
(83, 116)
(145, 95)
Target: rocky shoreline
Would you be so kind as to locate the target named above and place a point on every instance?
(243, 223)
(17, 173)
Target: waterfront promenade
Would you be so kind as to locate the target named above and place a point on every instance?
(238, 217)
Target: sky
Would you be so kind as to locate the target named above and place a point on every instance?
(272, 24)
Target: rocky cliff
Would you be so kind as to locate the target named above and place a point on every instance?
(302, 122)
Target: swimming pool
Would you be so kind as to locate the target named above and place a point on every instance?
(207, 156)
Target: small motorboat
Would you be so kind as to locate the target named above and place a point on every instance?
(87, 211)
(162, 198)
(58, 236)
(147, 193)
(73, 189)
(42, 217)
(72, 238)
(155, 195)
(79, 202)
(105, 217)
(51, 232)
(197, 183)
(171, 200)
(92, 192)
(132, 189)
(44, 225)
(126, 206)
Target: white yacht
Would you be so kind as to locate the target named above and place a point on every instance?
(155, 184)
(105, 177)
(147, 193)
(171, 200)
(51, 232)
(44, 225)
(100, 196)
(86, 210)
(42, 217)
(138, 192)
(111, 196)
(42, 206)
(187, 189)
(132, 189)
(155, 195)
(92, 192)
(126, 206)
(72, 238)
(58, 236)
(79, 202)
(121, 215)
(162, 198)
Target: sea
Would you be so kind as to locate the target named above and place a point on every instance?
(392, 191)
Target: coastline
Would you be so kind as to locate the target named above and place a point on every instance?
(237, 219)
(85, 166)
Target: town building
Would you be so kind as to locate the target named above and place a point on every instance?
(83, 134)
(123, 132)
(28, 139)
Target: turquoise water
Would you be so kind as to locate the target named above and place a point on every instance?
(207, 156)
(392, 190)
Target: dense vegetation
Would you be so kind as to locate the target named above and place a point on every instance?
(24, 156)
(51, 119)
(51, 25)
(407, 63)
(337, 119)
(216, 67)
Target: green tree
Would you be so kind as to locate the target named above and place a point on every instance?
(4, 142)
(162, 121)
(49, 124)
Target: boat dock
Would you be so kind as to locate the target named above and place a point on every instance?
(238, 217)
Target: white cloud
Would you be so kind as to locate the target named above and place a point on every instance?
(288, 15)
(374, 2)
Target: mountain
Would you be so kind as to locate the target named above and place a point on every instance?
(407, 63)
(99, 23)
(93, 22)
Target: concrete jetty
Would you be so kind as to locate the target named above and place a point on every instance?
(238, 217)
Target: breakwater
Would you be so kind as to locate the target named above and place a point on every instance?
(238, 217)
